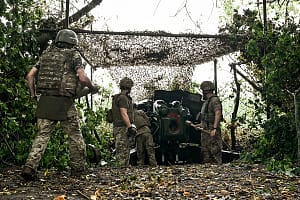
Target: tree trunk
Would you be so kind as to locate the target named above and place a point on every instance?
(297, 119)
(235, 109)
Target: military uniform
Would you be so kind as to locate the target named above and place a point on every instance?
(144, 139)
(211, 146)
(77, 146)
(120, 131)
(57, 82)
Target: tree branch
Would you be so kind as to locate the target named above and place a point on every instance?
(235, 109)
(44, 37)
(255, 86)
(75, 17)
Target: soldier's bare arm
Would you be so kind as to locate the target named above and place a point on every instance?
(30, 78)
(125, 117)
(217, 120)
(85, 81)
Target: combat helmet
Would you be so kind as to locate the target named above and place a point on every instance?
(126, 83)
(207, 85)
(67, 36)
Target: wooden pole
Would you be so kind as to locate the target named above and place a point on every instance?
(67, 14)
(215, 76)
(265, 14)
(91, 93)
(264, 53)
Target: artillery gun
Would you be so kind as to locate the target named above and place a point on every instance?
(176, 141)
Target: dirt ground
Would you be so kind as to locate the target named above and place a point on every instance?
(228, 181)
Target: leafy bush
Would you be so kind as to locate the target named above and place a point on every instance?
(97, 131)
(271, 54)
(18, 51)
(276, 147)
(57, 153)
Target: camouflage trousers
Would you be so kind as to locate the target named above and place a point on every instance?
(145, 146)
(76, 143)
(122, 146)
(211, 148)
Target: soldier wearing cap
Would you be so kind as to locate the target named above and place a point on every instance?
(55, 79)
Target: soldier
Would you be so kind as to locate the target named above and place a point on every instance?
(123, 127)
(211, 116)
(144, 139)
(58, 72)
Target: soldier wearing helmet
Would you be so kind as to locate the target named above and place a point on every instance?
(123, 127)
(210, 118)
(54, 79)
(207, 87)
(66, 36)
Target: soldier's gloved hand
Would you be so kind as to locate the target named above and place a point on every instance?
(132, 130)
(80, 92)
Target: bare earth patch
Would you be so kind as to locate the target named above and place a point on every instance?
(228, 181)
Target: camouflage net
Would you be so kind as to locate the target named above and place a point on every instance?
(149, 78)
(104, 50)
(152, 60)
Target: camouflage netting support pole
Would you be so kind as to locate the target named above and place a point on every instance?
(67, 13)
(297, 119)
(216, 76)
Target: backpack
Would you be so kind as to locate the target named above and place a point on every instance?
(109, 116)
(109, 113)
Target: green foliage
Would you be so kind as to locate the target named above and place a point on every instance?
(276, 143)
(18, 51)
(275, 148)
(271, 54)
(283, 69)
(97, 131)
(57, 152)
(18, 24)
(250, 116)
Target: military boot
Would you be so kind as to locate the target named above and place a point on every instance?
(29, 174)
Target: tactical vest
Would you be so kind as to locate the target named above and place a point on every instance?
(207, 115)
(118, 121)
(56, 76)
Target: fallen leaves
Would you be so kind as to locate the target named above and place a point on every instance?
(61, 197)
(238, 181)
